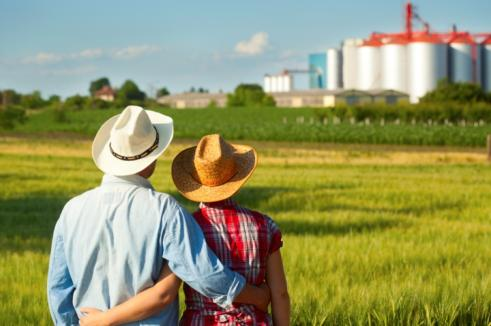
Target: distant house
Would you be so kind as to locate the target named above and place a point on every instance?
(194, 100)
(106, 93)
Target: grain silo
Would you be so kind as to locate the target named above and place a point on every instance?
(394, 61)
(486, 64)
(334, 69)
(349, 62)
(427, 55)
(368, 63)
(267, 83)
(461, 66)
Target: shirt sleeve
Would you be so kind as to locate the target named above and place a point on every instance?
(60, 284)
(276, 241)
(189, 257)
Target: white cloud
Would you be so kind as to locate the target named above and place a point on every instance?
(254, 46)
(88, 54)
(44, 58)
(131, 52)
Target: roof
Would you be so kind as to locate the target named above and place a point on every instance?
(105, 90)
(193, 96)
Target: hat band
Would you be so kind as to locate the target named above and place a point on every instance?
(139, 156)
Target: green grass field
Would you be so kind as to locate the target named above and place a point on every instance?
(271, 124)
(372, 235)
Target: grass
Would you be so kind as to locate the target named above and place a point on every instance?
(366, 241)
(270, 124)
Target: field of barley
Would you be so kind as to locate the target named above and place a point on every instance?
(373, 235)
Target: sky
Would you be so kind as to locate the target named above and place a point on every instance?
(59, 46)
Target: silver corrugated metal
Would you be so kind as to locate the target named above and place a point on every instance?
(369, 75)
(334, 74)
(349, 63)
(394, 66)
(267, 83)
(427, 65)
(486, 67)
(461, 69)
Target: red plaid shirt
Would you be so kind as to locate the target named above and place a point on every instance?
(243, 240)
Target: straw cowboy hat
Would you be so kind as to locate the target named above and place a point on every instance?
(214, 170)
(129, 142)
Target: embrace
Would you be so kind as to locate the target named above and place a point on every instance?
(121, 250)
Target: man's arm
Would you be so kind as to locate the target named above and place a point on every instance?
(141, 306)
(189, 257)
(60, 284)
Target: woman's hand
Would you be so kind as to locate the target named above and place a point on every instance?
(93, 317)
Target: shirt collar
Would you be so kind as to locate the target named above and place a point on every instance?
(219, 204)
(133, 179)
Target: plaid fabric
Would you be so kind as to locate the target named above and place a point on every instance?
(243, 240)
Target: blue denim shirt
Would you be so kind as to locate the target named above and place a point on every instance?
(111, 242)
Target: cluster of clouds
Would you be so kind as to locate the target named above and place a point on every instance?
(129, 52)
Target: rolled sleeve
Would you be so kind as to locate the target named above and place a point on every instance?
(189, 257)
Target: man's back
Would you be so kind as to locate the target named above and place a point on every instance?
(112, 241)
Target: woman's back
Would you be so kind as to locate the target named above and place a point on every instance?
(243, 240)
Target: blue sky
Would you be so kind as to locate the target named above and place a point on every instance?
(59, 46)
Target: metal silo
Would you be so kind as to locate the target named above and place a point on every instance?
(288, 83)
(267, 83)
(333, 80)
(274, 84)
(460, 56)
(427, 65)
(393, 56)
(349, 62)
(486, 64)
(369, 75)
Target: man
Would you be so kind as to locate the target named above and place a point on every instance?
(113, 241)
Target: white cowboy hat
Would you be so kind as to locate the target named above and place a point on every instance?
(129, 142)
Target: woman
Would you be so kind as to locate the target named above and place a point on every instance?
(246, 241)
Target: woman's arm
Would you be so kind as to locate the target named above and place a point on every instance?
(280, 299)
(141, 306)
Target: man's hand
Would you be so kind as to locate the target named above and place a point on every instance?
(264, 298)
(93, 317)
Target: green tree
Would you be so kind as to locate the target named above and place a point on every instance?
(249, 95)
(129, 93)
(162, 92)
(447, 91)
(10, 97)
(75, 102)
(11, 115)
(33, 100)
(54, 99)
(97, 84)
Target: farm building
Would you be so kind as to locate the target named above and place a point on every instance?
(330, 98)
(194, 100)
(106, 93)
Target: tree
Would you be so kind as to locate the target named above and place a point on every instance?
(33, 100)
(130, 93)
(447, 91)
(249, 95)
(75, 102)
(10, 97)
(96, 85)
(162, 92)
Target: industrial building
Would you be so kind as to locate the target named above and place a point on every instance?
(194, 100)
(410, 62)
(331, 98)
